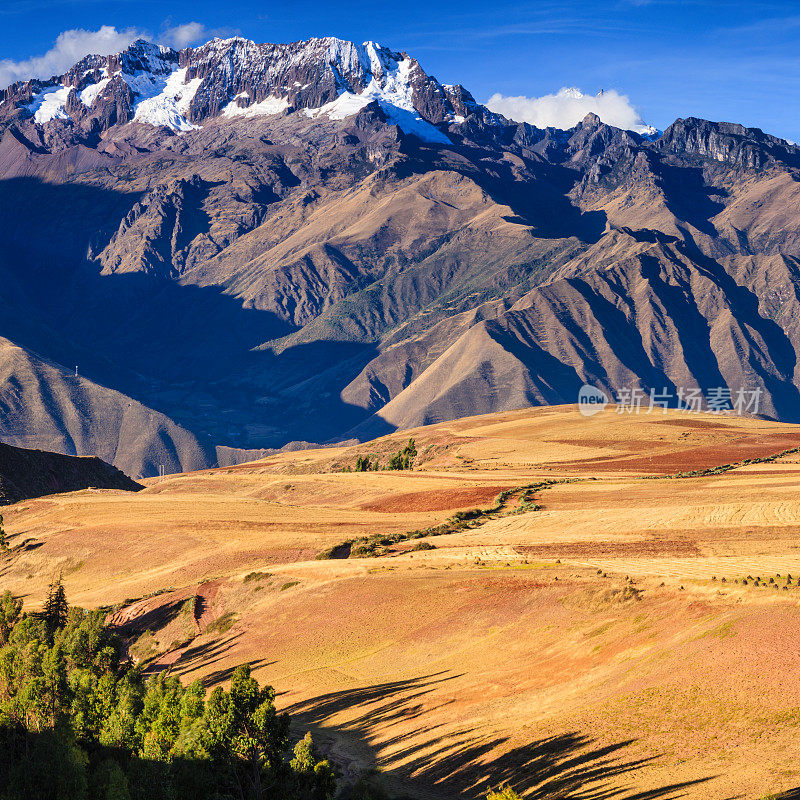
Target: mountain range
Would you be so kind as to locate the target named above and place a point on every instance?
(212, 253)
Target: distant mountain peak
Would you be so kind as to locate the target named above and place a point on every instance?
(181, 90)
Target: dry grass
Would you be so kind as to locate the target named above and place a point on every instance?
(580, 646)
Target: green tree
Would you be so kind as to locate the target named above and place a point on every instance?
(167, 724)
(109, 782)
(118, 729)
(33, 680)
(56, 608)
(313, 777)
(244, 730)
(10, 611)
(404, 459)
(396, 461)
(159, 724)
(3, 540)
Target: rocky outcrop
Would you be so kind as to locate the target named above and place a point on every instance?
(749, 148)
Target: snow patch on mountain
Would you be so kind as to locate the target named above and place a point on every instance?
(269, 106)
(49, 104)
(412, 122)
(391, 88)
(163, 99)
(90, 93)
(345, 105)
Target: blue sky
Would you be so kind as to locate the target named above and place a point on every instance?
(718, 59)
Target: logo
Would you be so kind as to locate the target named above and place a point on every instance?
(591, 401)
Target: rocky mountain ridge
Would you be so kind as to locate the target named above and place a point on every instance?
(236, 77)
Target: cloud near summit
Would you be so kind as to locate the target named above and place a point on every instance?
(73, 45)
(567, 107)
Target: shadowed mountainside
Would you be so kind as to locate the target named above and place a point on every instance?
(32, 473)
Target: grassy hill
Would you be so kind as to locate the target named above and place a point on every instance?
(620, 623)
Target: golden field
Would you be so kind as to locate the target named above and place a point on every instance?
(589, 648)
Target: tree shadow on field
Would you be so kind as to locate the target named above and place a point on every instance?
(463, 763)
(154, 619)
(221, 675)
(206, 654)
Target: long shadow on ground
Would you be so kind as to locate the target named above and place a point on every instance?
(450, 764)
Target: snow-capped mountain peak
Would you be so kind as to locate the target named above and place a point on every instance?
(237, 78)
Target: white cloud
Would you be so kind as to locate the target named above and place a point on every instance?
(181, 36)
(71, 46)
(567, 107)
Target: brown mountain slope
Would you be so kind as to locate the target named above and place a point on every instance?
(45, 406)
(25, 474)
(643, 306)
(666, 317)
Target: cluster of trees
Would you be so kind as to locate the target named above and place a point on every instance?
(366, 464)
(79, 722)
(402, 459)
(3, 540)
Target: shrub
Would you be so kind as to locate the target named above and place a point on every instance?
(367, 787)
(221, 624)
(256, 576)
(404, 459)
(145, 647)
(377, 544)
